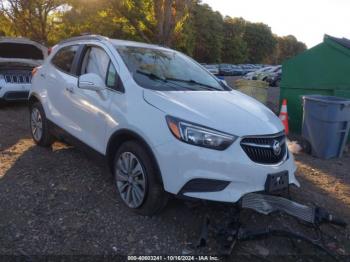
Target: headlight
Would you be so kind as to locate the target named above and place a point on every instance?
(198, 135)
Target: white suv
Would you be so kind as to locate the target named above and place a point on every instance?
(163, 122)
(18, 57)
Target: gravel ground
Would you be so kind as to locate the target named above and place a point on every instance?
(59, 201)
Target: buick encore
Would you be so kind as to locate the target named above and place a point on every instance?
(163, 122)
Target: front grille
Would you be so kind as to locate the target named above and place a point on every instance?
(18, 77)
(264, 149)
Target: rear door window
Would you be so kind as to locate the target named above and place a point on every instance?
(64, 58)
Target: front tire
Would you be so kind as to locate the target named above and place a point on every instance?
(39, 126)
(136, 179)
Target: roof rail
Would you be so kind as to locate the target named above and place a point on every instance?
(84, 37)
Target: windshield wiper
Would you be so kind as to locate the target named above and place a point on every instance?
(165, 80)
(151, 75)
(191, 81)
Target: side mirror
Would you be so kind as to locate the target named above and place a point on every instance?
(92, 82)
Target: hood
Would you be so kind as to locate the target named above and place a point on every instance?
(19, 62)
(228, 111)
(21, 50)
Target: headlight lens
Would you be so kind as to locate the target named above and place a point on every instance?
(199, 135)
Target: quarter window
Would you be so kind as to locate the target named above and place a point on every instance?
(64, 58)
(111, 76)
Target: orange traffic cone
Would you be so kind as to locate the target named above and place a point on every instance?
(284, 116)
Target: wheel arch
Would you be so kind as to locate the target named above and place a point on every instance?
(33, 98)
(121, 136)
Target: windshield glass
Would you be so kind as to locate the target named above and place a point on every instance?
(167, 70)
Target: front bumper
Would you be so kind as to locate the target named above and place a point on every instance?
(181, 163)
(14, 92)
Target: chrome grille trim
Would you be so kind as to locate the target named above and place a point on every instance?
(18, 77)
(260, 148)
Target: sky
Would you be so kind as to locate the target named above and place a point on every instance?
(307, 20)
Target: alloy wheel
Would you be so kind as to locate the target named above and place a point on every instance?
(130, 179)
(36, 124)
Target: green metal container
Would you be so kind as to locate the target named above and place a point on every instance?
(321, 70)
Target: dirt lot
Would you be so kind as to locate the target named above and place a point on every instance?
(59, 201)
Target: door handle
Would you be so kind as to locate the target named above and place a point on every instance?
(70, 89)
(43, 75)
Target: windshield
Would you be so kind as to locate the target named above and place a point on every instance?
(167, 70)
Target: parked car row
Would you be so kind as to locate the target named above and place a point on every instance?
(232, 70)
(270, 74)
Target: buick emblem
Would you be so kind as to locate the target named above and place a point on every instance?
(276, 147)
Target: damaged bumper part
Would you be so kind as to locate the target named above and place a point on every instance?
(229, 235)
(267, 204)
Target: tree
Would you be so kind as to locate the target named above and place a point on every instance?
(234, 48)
(186, 25)
(91, 17)
(31, 18)
(288, 47)
(5, 26)
(260, 42)
(156, 21)
(207, 30)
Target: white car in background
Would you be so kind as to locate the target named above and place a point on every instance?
(163, 122)
(253, 75)
(265, 73)
(18, 57)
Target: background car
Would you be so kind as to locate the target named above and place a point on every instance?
(253, 75)
(214, 69)
(18, 57)
(230, 70)
(269, 73)
(274, 78)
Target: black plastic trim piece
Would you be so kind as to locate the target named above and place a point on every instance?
(204, 185)
(16, 95)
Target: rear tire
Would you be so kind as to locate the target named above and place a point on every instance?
(39, 126)
(136, 179)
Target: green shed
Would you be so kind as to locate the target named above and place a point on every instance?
(323, 69)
